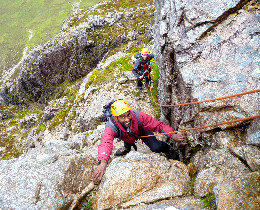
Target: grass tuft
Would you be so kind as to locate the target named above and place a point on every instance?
(209, 202)
(155, 78)
(87, 205)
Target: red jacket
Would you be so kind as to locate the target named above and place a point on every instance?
(146, 122)
(141, 65)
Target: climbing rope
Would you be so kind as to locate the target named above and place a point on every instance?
(207, 126)
(198, 102)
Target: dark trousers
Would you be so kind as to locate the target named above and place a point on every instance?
(140, 81)
(152, 142)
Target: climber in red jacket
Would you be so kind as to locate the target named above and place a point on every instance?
(128, 125)
(142, 66)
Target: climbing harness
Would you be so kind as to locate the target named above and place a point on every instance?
(147, 70)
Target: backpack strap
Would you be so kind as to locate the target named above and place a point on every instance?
(110, 123)
(137, 116)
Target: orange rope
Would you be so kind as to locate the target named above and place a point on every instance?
(207, 126)
(198, 102)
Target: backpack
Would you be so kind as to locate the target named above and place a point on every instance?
(107, 117)
(136, 57)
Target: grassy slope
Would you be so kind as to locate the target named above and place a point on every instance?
(43, 17)
(14, 134)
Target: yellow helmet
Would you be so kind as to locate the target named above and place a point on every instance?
(119, 107)
(145, 51)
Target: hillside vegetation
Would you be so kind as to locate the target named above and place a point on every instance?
(14, 133)
(42, 17)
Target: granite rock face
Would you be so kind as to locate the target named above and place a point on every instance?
(45, 178)
(204, 50)
(207, 50)
(69, 56)
(139, 178)
(239, 194)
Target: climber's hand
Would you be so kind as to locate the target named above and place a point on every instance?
(99, 172)
(180, 138)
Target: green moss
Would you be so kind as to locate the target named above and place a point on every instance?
(111, 6)
(107, 74)
(136, 24)
(19, 113)
(209, 202)
(71, 117)
(26, 132)
(87, 204)
(93, 77)
(27, 98)
(67, 88)
(136, 49)
(80, 98)
(190, 185)
(60, 117)
(153, 93)
(8, 141)
(123, 65)
(15, 153)
(13, 122)
(41, 127)
(138, 93)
